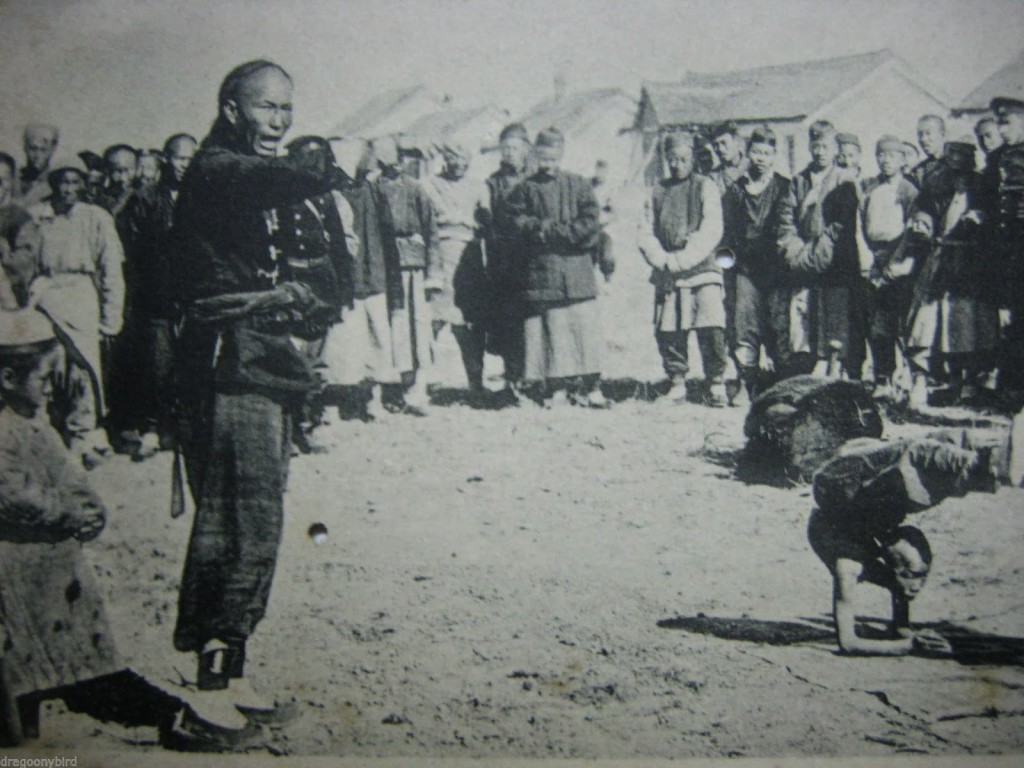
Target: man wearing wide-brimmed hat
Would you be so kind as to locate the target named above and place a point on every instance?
(81, 285)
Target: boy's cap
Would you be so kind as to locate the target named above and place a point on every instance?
(889, 143)
(847, 138)
(24, 330)
(514, 131)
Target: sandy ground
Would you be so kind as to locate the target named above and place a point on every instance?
(555, 583)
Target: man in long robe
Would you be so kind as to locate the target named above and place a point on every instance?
(359, 352)
(414, 228)
(953, 318)
(505, 318)
(555, 217)
(57, 642)
(817, 238)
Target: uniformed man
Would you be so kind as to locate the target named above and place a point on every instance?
(1009, 159)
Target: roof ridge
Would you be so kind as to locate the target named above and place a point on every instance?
(985, 90)
(885, 53)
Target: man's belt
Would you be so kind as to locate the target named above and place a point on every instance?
(227, 307)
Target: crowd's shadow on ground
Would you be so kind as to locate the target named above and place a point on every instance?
(970, 647)
(351, 404)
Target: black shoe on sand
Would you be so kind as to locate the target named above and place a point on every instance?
(190, 733)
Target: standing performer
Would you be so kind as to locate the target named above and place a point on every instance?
(555, 216)
(240, 376)
(678, 233)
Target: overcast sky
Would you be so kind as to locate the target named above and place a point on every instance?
(110, 71)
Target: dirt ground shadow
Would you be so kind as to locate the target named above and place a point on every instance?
(749, 630)
(970, 647)
(622, 389)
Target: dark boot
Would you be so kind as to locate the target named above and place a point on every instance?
(218, 663)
